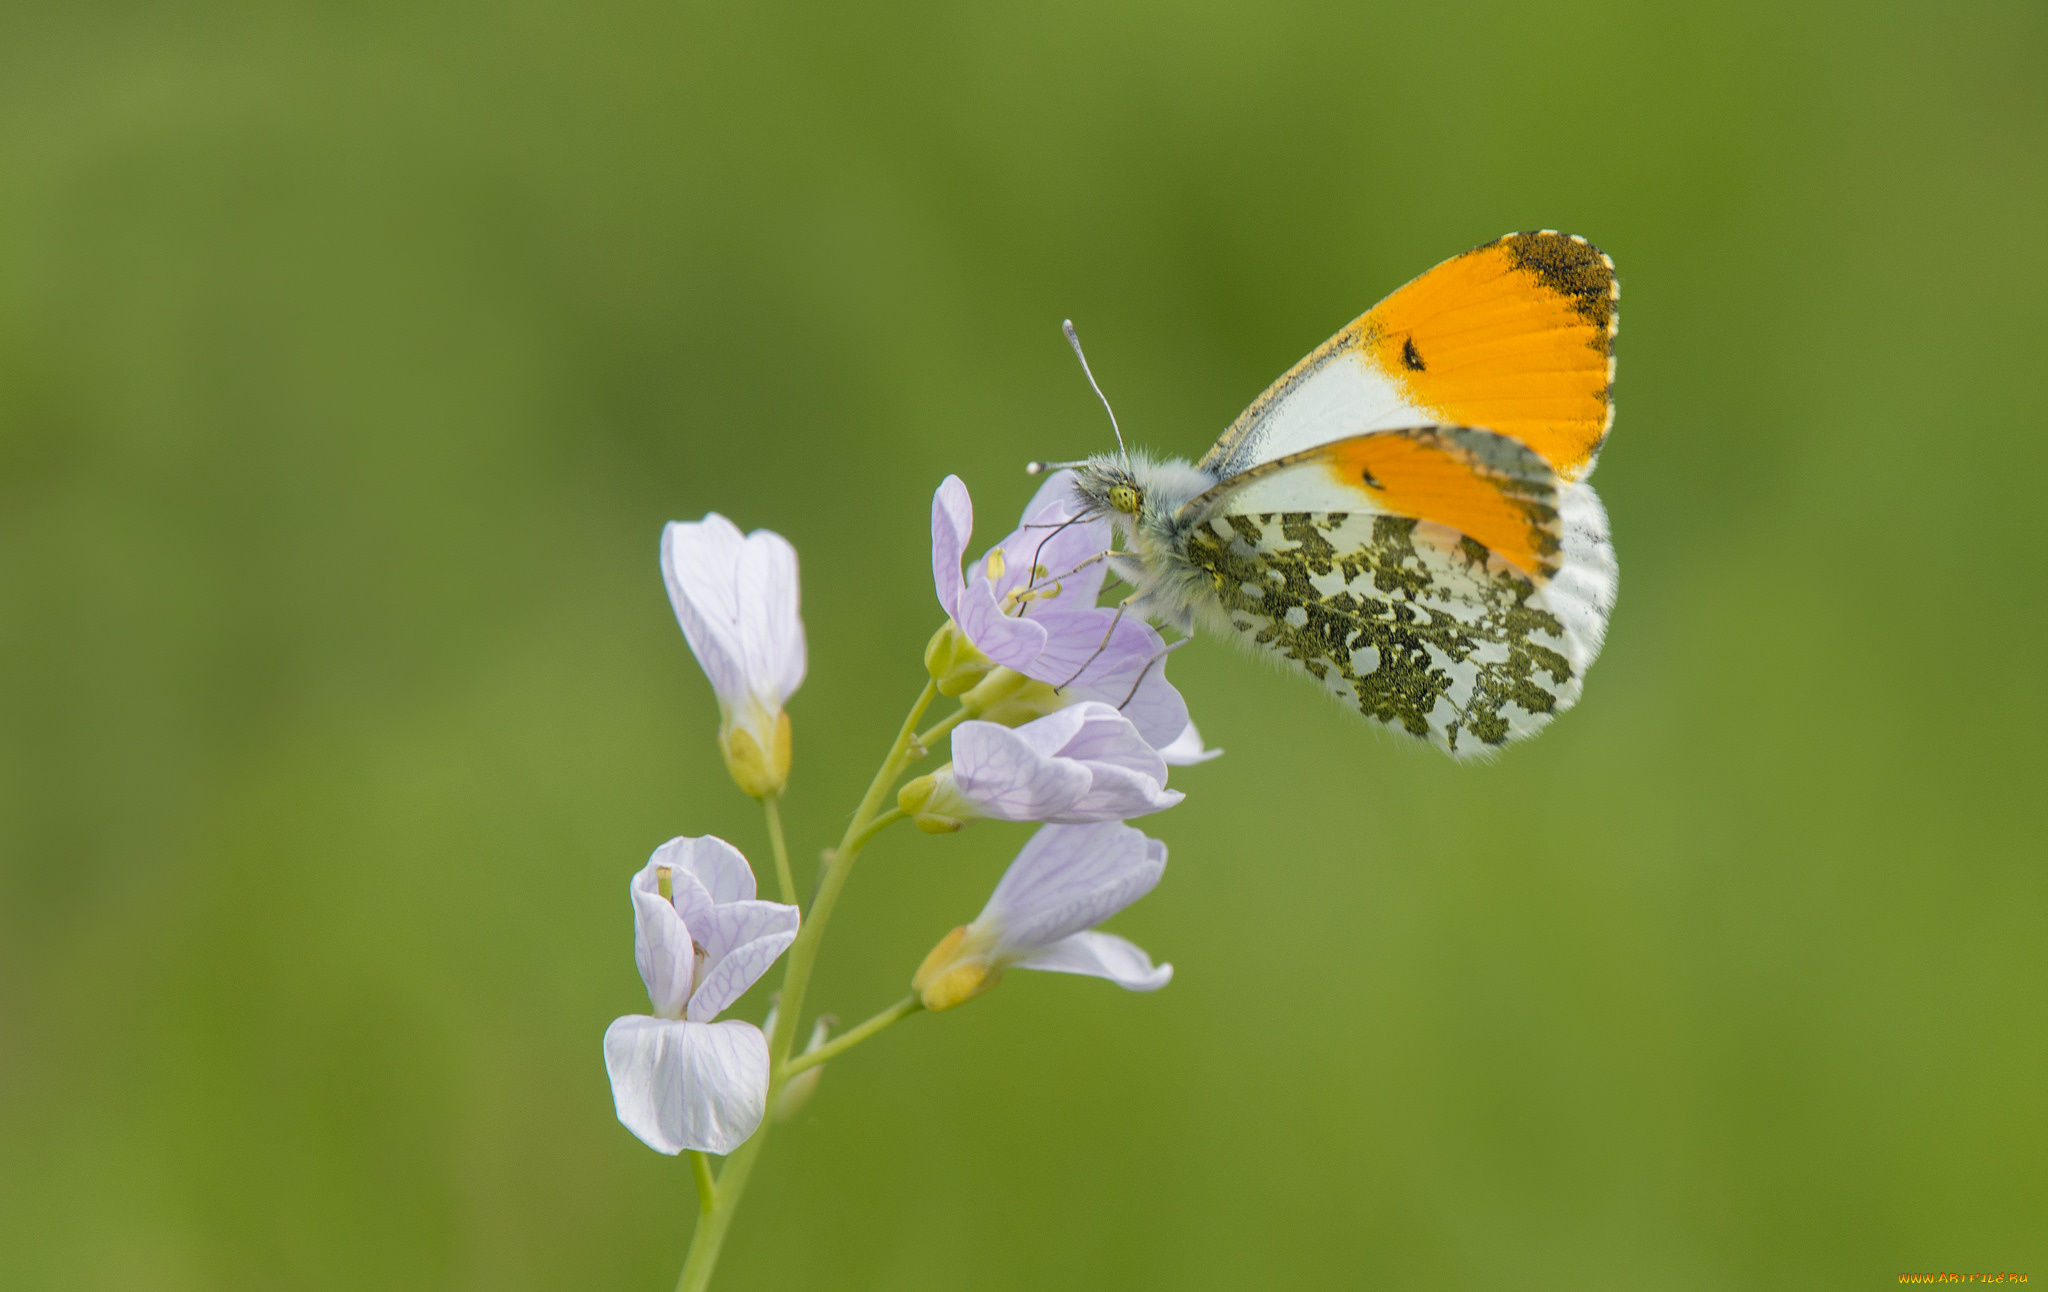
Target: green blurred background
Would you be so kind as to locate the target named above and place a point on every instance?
(352, 356)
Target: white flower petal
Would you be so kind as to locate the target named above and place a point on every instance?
(737, 923)
(1186, 749)
(1051, 734)
(736, 597)
(693, 903)
(720, 867)
(699, 563)
(999, 772)
(744, 940)
(1081, 644)
(1117, 794)
(1005, 638)
(1083, 763)
(771, 626)
(681, 1085)
(661, 947)
(1101, 955)
(1105, 736)
(952, 525)
(1069, 878)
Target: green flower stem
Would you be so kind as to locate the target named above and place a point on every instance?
(771, 807)
(796, 977)
(707, 1189)
(803, 953)
(711, 1226)
(879, 824)
(902, 1009)
(946, 724)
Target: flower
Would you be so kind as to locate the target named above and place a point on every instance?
(1028, 605)
(679, 1079)
(736, 599)
(1083, 763)
(1067, 879)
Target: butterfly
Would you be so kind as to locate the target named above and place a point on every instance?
(1404, 516)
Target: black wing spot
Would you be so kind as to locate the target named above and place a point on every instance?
(1411, 356)
(1372, 481)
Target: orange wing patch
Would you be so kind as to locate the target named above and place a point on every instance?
(1516, 336)
(1435, 474)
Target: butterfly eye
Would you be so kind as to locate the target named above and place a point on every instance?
(1125, 499)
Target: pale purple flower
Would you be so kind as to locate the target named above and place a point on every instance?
(1067, 879)
(736, 598)
(1083, 763)
(679, 1079)
(1028, 604)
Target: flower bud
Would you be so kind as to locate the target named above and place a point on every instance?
(797, 1091)
(735, 597)
(757, 771)
(1012, 699)
(953, 661)
(927, 800)
(957, 970)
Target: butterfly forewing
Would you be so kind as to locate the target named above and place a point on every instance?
(1516, 336)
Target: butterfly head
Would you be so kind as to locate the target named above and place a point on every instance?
(1106, 484)
(1137, 489)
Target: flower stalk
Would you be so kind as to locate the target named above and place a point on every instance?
(803, 953)
(712, 1225)
(896, 1013)
(770, 808)
(867, 821)
(1062, 719)
(707, 1188)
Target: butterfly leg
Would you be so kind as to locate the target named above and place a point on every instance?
(1024, 596)
(1099, 556)
(1157, 655)
(1057, 530)
(1118, 618)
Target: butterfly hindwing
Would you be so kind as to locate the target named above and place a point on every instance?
(1442, 580)
(1489, 487)
(1516, 335)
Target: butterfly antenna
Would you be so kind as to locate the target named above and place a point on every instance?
(1073, 339)
(1040, 468)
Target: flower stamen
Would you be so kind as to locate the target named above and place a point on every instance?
(1018, 598)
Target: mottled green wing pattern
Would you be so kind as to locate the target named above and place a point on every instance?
(1418, 627)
